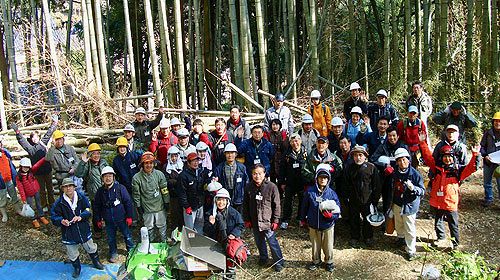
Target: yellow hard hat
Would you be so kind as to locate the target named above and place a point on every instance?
(94, 147)
(57, 134)
(121, 141)
(496, 116)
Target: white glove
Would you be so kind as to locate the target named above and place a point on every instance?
(447, 110)
(55, 118)
(410, 185)
(464, 111)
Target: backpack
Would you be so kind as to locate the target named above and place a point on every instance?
(237, 251)
(323, 106)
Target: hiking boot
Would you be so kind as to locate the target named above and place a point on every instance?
(95, 261)
(44, 221)
(312, 266)
(329, 267)
(77, 268)
(284, 225)
(36, 224)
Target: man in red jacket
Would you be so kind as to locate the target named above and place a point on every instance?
(408, 131)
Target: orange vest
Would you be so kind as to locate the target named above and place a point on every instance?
(5, 168)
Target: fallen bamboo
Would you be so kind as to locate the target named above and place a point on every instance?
(26, 128)
(294, 107)
(200, 112)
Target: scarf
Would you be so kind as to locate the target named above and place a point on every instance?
(73, 203)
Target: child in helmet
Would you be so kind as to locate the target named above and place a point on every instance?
(445, 188)
(407, 189)
(29, 189)
(320, 209)
(203, 152)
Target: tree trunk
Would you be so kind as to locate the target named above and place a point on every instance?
(130, 48)
(259, 13)
(4, 73)
(9, 41)
(417, 64)
(292, 44)
(395, 65)
(166, 72)
(468, 42)
(235, 41)
(101, 48)
(437, 32)
(387, 42)
(191, 66)
(426, 44)
(313, 43)
(3, 117)
(180, 54)
(364, 43)
(352, 40)
(68, 30)
(199, 56)
(244, 46)
(152, 54)
(494, 43)
(88, 50)
(407, 42)
(35, 51)
(93, 47)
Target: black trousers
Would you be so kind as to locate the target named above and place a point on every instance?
(357, 225)
(440, 216)
(292, 190)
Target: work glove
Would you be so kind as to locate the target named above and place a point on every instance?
(99, 224)
(189, 211)
(274, 226)
(409, 185)
(128, 221)
(388, 170)
(327, 214)
(55, 118)
(248, 224)
(15, 128)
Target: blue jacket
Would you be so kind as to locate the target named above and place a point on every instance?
(310, 208)
(126, 167)
(232, 222)
(352, 130)
(113, 205)
(264, 152)
(371, 139)
(240, 180)
(76, 233)
(408, 200)
(13, 170)
(375, 112)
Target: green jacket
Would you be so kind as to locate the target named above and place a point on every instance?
(150, 191)
(62, 160)
(91, 175)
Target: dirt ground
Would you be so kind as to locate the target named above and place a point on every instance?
(478, 227)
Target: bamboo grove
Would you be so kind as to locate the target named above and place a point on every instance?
(177, 50)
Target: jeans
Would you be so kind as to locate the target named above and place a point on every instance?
(111, 228)
(195, 221)
(452, 218)
(36, 204)
(488, 178)
(260, 240)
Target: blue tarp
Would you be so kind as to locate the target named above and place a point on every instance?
(21, 270)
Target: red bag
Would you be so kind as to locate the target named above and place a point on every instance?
(237, 250)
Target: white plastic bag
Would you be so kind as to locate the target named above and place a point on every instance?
(27, 211)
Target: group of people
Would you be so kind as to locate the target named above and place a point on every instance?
(240, 176)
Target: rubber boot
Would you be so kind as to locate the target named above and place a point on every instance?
(95, 261)
(4, 214)
(77, 268)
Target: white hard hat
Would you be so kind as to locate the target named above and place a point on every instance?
(183, 132)
(107, 170)
(382, 92)
(129, 127)
(337, 121)
(230, 148)
(385, 160)
(354, 86)
(201, 146)
(315, 94)
(222, 193)
(26, 162)
(140, 110)
(175, 121)
(356, 109)
(401, 152)
(165, 123)
(214, 186)
(323, 166)
(307, 119)
(173, 150)
(375, 218)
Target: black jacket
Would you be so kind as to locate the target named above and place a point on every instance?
(191, 187)
(291, 167)
(227, 222)
(362, 183)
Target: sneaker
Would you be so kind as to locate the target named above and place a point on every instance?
(284, 225)
(330, 267)
(312, 266)
(44, 221)
(36, 224)
(278, 267)
(5, 218)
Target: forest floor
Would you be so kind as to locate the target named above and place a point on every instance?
(478, 228)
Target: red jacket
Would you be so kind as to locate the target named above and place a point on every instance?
(161, 146)
(27, 184)
(409, 133)
(445, 191)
